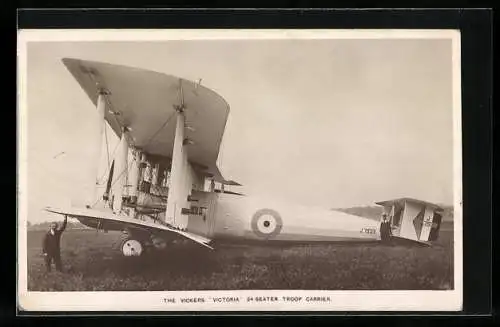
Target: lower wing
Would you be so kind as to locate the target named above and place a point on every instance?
(110, 221)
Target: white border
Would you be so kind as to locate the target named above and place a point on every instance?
(95, 35)
(153, 301)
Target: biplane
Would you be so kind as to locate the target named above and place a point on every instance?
(163, 183)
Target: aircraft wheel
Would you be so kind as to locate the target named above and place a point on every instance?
(132, 248)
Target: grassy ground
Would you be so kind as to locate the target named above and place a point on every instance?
(93, 263)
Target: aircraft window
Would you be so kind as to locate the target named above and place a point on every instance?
(198, 211)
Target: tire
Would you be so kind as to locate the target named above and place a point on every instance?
(132, 247)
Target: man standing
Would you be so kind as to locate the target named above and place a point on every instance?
(385, 229)
(51, 245)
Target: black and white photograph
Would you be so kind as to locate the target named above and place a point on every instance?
(181, 170)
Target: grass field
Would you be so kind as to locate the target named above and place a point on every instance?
(93, 263)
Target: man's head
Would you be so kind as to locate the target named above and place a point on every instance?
(53, 226)
(384, 217)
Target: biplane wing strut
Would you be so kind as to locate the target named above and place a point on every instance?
(178, 192)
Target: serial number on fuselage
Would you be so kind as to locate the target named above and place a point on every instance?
(368, 230)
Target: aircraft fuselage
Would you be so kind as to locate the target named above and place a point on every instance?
(232, 217)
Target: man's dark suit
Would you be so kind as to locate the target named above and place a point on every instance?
(385, 231)
(51, 247)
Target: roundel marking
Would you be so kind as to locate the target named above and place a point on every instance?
(266, 223)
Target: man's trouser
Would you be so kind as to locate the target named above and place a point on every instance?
(56, 257)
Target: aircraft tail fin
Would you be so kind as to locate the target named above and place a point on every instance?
(413, 219)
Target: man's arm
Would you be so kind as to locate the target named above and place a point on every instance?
(63, 227)
(44, 244)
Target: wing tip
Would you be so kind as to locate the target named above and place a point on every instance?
(68, 61)
(209, 246)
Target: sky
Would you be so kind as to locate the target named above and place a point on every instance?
(331, 122)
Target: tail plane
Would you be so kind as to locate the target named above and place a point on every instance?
(413, 219)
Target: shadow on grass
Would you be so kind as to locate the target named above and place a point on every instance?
(177, 260)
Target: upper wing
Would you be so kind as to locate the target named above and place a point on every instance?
(401, 202)
(144, 101)
(110, 221)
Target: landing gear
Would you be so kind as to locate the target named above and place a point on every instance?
(140, 244)
(132, 248)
